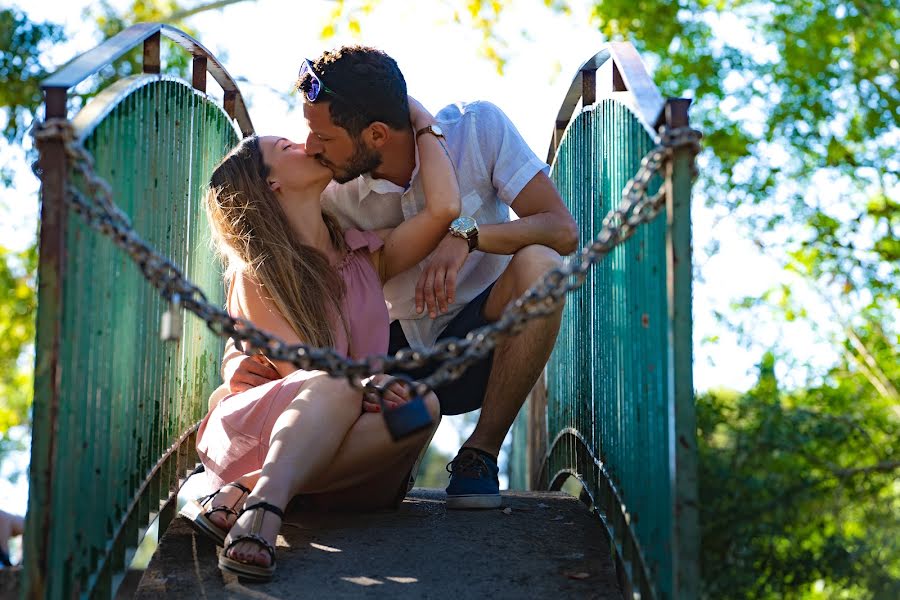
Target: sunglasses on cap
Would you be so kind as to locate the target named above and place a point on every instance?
(317, 86)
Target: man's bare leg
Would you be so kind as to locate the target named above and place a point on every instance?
(518, 360)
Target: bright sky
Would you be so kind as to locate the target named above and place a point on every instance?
(262, 44)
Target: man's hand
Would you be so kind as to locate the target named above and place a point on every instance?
(396, 395)
(243, 372)
(436, 287)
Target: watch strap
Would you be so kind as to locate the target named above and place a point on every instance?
(430, 129)
(472, 240)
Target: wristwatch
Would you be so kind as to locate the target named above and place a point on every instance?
(467, 229)
(433, 129)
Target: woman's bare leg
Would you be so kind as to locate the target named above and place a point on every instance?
(302, 453)
(367, 452)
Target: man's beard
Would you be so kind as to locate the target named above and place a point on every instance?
(362, 161)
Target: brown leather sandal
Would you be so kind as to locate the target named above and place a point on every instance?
(250, 571)
(197, 513)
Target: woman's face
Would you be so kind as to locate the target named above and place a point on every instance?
(290, 167)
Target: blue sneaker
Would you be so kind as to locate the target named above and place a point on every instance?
(473, 480)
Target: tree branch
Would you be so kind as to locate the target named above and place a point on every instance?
(180, 15)
(886, 466)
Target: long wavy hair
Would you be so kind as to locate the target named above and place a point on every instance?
(252, 234)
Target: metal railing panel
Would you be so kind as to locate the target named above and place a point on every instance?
(615, 409)
(607, 378)
(126, 399)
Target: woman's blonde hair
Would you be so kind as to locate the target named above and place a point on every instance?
(252, 234)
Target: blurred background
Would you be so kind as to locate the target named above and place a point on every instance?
(796, 221)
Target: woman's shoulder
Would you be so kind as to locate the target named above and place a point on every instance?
(240, 280)
(357, 240)
(244, 293)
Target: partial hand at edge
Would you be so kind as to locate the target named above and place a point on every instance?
(436, 288)
(396, 395)
(244, 372)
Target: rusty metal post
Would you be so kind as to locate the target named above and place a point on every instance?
(229, 101)
(682, 417)
(38, 544)
(618, 82)
(151, 54)
(588, 86)
(537, 432)
(198, 79)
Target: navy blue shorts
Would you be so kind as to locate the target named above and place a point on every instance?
(466, 393)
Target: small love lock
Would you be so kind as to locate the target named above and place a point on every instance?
(172, 322)
(408, 418)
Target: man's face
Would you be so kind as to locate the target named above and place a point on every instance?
(333, 146)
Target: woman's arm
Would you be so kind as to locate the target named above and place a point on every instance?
(251, 301)
(415, 238)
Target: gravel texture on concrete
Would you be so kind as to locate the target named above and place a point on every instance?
(537, 545)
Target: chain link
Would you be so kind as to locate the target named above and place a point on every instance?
(453, 355)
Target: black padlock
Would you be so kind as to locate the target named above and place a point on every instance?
(408, 418)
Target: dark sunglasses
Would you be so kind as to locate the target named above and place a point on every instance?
(317, 86)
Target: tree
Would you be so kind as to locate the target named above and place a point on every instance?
(798, 495)
(17, 275)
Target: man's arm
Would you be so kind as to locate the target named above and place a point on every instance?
(543, 219)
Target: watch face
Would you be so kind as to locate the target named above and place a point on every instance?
(464, 225)
(436, 130)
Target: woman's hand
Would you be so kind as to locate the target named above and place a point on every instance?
(396, 395)
(242, 372)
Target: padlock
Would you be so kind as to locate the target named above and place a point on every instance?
(172, 323)
(405, 419)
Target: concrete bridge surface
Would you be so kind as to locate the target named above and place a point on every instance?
(537, 545)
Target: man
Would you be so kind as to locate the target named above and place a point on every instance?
(356, 106)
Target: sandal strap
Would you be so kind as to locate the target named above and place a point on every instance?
(256, 538)
(224, 509)
(238, 485)
(266, 507)
(244, 489)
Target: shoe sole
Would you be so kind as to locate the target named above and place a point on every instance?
(473, 501)
(193, 512)
(255, 573)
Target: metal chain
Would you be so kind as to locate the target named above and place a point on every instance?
(454, 355)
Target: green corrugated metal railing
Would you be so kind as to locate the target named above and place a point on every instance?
(618, 390)
(115, 407)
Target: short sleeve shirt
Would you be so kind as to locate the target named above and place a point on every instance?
(493, 164)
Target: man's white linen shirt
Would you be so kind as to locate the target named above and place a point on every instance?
(493, 163)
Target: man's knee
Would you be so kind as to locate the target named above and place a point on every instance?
(531, 263)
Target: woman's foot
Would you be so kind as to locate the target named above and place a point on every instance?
(253, 535)
(215, 514)
(225, 504)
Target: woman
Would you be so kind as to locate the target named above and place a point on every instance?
(292, 271)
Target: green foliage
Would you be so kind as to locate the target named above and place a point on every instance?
(433, 470)
(22, 65)
(798, 491)
(17, 313)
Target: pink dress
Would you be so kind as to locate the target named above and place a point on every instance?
(233, 439)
